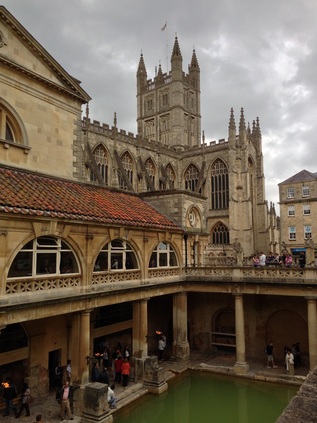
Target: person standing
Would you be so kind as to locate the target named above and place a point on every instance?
(262, 259)
(69, 370)
(126, 352)
(58, 375)
(64, 399)
(9, 393)
(270, 357)
(161, 347)
(289, 362)
(95, 373)
(125, 371)
(25, 400)
(302, 260)
(118, 369)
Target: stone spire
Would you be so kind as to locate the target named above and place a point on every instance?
(194, 71)
(242, 128)
(194, 66)
(141, 75)
(232, 129)
(176, 61)
(232, 123)
(176, 54)
(160, 78)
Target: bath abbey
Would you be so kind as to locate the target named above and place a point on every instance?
(109, 237)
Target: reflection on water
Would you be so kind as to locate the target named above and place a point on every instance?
(199, 397)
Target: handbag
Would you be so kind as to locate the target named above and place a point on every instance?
(29, 399)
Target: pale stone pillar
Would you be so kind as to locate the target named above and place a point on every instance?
(180, 339)
(84, 344)
(312, 331)
(241, 365)
(140, 329)
(74, 333)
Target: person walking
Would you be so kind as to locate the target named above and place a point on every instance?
(270, 357)
(125, 372)
(25, 401)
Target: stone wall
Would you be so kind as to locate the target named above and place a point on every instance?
(303, 407)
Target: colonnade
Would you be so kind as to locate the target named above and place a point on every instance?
(180, 347)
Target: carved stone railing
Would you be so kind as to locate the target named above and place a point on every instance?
(163, 273)
(18, 286)
(258, 274)
(220, 261)
(113, 277)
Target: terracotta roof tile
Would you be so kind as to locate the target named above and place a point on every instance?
(28, 193)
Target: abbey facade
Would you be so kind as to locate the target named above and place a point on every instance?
(215, 191)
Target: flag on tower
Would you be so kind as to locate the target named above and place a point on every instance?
(164, 27)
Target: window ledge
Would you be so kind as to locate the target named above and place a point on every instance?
(7, 144)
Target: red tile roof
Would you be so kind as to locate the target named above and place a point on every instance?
(30, 193)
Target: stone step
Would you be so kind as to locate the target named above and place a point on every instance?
(129, 394)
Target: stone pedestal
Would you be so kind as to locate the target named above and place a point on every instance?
(154, 379)
(96, 407)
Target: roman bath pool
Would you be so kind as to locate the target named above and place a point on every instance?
(197, 397)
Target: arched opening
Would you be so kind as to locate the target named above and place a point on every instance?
(163, 255)
(116, 255)
(44, 255)
(219, 185)
(223, 330)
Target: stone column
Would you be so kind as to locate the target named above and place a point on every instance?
(140, 329)
(312, 331)
(241, 365)
(84, 344)
(180, 340)
(74, 333)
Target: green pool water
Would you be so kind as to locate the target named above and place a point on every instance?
(205, 398)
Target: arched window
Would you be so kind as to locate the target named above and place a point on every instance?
(171, 176)
(116, 255)
(44, 255)
(220, 234)
(163, 256)
(127, 164)
(10, 129)
(191, 178)
(219, 186)
(100, 155)
(150, 168)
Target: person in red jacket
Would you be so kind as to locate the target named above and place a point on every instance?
(125, 371)
(118, 369)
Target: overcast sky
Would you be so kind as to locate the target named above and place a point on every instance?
(257, 54)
